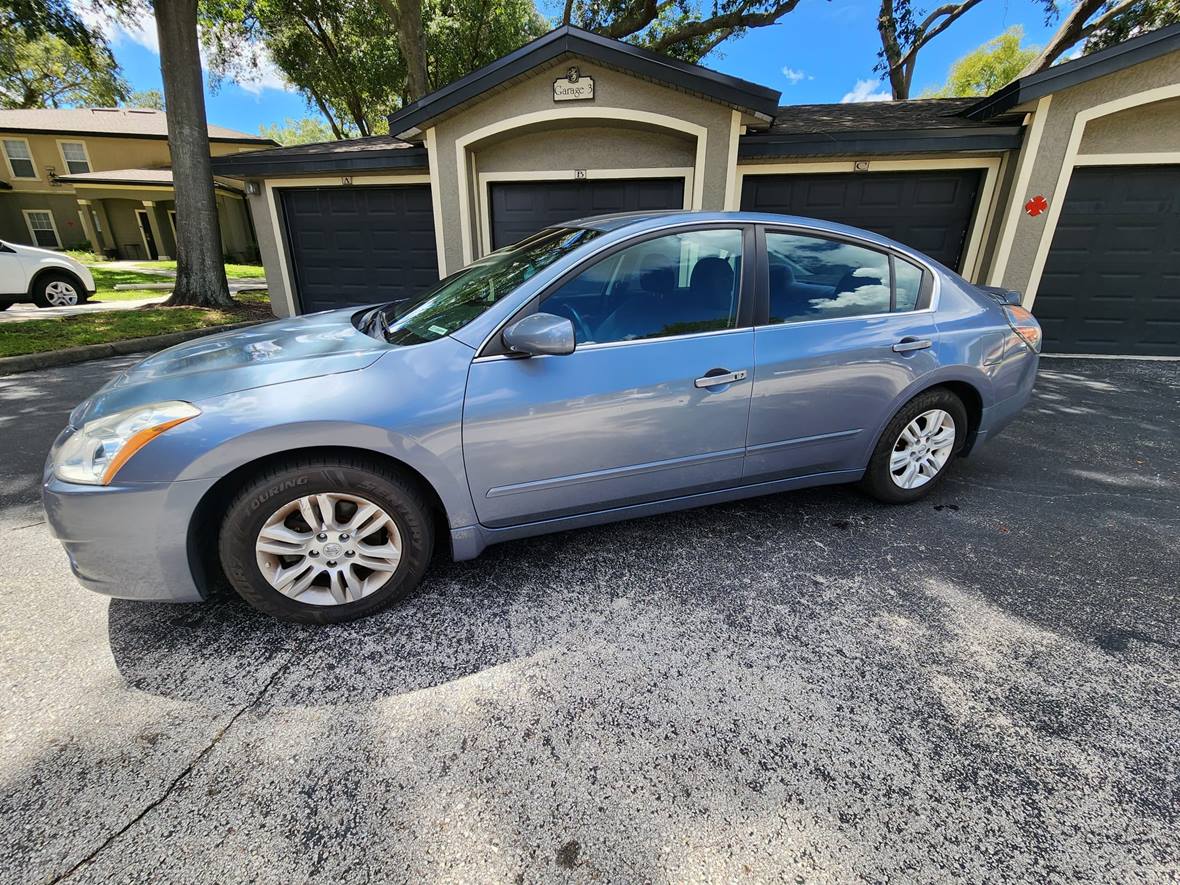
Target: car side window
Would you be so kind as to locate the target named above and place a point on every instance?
(908, 281)
(813, 278)
(678, 284)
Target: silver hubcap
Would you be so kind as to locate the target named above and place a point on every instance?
(922, 449)
(328, 549)
(61, 294)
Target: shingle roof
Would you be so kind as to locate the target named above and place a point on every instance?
(147, 177)
(921, 113)
(371, 153)
(565, 40)
(140, 122)
(120, 176)
(1123, 55)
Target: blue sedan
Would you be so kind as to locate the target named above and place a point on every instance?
(614, 367)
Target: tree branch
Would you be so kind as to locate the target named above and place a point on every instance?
(1106, 18)
(568, 13)
(926, 33)
(729, 21)
(1066, 36)
(635, 20)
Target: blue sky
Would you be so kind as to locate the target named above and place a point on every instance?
(824, 51)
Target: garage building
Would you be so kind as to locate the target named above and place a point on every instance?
(1064, 185)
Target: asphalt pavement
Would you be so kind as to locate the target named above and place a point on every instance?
(809, 687)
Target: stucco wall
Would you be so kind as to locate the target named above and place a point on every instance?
(613, 91)
(1132, 133)
(63, 207)
(610, 148)
(105, 154)
(1145, 129)
(271, 254)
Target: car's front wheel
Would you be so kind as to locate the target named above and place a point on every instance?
(320, 541)
(914, 452)
(57, 290)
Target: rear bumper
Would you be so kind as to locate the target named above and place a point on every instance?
(1021, 369)
(131, 542)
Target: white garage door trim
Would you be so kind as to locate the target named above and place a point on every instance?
(486, 179)
(1057, 197)
(984, 208)
(280, 234)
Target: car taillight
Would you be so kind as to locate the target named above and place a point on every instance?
(1025, 325)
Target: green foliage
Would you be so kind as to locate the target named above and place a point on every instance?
(1150, 15)
(684, 29)
(146, 98)
(47, 71)
(100, 327)
(984, 70)
(306, 130)
(342, 56)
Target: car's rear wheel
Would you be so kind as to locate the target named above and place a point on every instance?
(57, 290)
(320, 541)
(916, 449)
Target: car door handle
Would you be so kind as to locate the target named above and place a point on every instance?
(715, 377)
(905, 345)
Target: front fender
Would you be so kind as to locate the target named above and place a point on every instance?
(408, 409)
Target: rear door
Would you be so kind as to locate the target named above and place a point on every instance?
(652, 404)
(843, 330)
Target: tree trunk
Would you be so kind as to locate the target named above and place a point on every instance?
(200, 266)
(406, 16)
(891, 50)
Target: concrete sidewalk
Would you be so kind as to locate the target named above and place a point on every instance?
(21, 312)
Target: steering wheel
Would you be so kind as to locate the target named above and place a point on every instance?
(581, 328)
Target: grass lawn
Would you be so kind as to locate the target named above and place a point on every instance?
(100, 327)
(106, 278)
(232, 271)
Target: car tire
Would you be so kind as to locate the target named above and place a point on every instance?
(909, 460)
(58, 290)
(286, 499)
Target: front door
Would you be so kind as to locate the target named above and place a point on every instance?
(652, 404)
(145, 228)
(846, 330)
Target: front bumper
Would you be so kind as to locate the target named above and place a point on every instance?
(129, 541)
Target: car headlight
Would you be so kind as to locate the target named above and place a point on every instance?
(94, 454)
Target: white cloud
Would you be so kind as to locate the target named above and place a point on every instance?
(794, 76)
(141, 30)
(863, 91)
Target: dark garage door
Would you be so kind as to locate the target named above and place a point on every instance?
(523, 208)
(927, 211)
(358, 245)
(1111, 283)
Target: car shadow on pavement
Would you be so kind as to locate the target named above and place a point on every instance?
(464, 618)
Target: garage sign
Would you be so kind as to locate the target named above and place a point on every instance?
(573, 87)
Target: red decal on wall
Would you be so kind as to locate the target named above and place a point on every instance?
(1036, 205)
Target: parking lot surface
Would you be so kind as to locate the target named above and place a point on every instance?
(809, 687)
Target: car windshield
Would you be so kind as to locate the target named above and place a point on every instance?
(463, 296)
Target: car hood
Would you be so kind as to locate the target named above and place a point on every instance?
(228, 362)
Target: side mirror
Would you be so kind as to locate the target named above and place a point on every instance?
(540, 333)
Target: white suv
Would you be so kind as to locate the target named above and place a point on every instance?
(42, 276)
